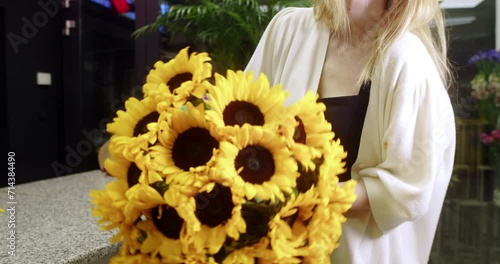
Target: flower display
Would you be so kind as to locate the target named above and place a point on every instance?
(486, 85)
(492, 139)
(218, 170)
(486, 88)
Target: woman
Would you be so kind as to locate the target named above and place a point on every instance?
(382, 75)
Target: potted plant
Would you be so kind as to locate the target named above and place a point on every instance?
(228, 30)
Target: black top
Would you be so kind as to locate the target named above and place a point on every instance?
(347, 116)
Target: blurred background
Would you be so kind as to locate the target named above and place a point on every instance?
(67, 66)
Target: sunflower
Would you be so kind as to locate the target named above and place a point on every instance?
(331, 166)
(186, 143)
(166, 210)
(134, 120)
(288, 231)
(313, 129)
(134, 259)
(259, 251)
(127, 159)
(133, 148)
(162, 235)
(141, 198)
(322, 259)
(258, 159)
(311, 132)
(123, 169)
(240, 257)
(108, 206)
(324, 229)
(342, 197)
(125, 257)
(182, 198)
(166, 100)
(150, 176)
(130, 237)
(324, 170)
(182, 77)
(238, 100)
(133, 129)
(218, 212)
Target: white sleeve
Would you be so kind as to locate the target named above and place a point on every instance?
(418, 154)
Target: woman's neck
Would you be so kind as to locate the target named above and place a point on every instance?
(363, 14)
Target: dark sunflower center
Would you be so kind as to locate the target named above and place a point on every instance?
(239, 113)
(170, 223)
(142, 125)
(133, 174)
(290, 220)
(308, 177)
(176, 81)
(193, 148)
(257, 162)
(215, 207)
(257, 216)
(299, 135)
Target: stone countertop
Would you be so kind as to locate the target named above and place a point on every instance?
(53, 222)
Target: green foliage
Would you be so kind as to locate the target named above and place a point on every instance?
(229, 29)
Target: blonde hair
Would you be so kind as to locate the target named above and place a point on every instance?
(423, 18)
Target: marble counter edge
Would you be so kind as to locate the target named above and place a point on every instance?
(67, 191)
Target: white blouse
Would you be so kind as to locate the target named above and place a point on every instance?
(407, 144)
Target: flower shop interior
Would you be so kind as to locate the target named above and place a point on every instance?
(80, 60)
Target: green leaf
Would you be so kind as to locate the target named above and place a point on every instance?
(161, 187)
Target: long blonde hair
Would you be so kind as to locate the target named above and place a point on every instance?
(423, 18)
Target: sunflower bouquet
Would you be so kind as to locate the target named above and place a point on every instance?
(215, 169)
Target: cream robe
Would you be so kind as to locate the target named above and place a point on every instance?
(407, 144)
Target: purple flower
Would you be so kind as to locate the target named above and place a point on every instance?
(493, 55)
(490, 55)
(475, 58)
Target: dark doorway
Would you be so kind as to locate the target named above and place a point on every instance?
(87, 49)
(99, 69)
(31, 46)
